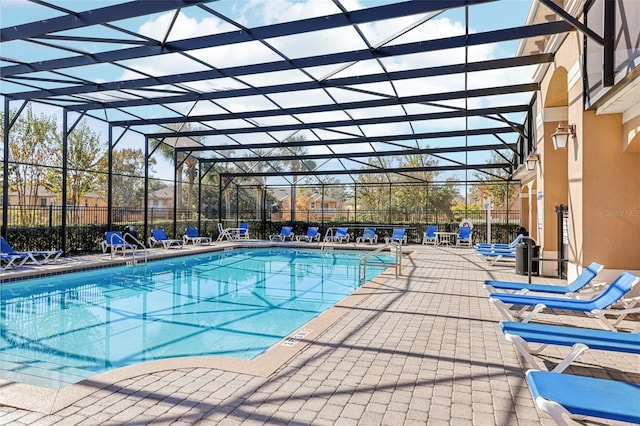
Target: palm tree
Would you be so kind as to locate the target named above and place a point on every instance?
(187, 164)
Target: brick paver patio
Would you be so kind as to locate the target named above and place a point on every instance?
(423, 348)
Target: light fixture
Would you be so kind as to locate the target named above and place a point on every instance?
(561, 137)
(531, 161)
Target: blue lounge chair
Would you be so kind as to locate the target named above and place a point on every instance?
(35, 256)
(430, 236)
(523, 335)
(581, 281)
(114, 242)
(285, 232)
(370, 235)
(464, 236)
(159, 237)
(496, 255)
(398, 235)
(312, 235)
(341, 235)
(511, 245)
(12, 260)
(192, 234)
(243, 231)
(612, 294)
(576, 396)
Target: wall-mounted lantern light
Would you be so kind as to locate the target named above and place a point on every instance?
(561, 137)
(531, 161)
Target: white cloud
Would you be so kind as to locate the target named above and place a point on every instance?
(257, 13)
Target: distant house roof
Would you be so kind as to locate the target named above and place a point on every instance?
(280, 194)
(319, 197)
(166, 192)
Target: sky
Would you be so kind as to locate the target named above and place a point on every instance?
(252, 13)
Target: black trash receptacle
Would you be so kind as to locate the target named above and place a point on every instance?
(522, 258)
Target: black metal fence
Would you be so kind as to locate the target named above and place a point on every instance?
(40, 227)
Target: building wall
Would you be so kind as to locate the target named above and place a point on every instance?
(597, 176)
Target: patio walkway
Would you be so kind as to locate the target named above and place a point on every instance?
(423, 348)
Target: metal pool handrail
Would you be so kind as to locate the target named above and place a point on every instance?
(362, 264)
(137, 241)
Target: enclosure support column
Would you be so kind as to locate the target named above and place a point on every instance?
(110, 180)
(293, 198)
(5, 168)
(355, 203)
(145, 201)
(175, 189)
(508, 216)
(263, 228)
(389, 221)
(322, 205)
(426, 203)
(219, 199)
(237, 205)
(199, 222)
(65, 143)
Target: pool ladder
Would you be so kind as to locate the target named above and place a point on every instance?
(134, 260)
(365, 261)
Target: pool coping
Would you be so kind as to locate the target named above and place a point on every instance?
(49, 401)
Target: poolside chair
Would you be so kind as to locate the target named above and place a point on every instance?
(35, 256)
(583, 280)
(493, 246)
(9, 260)
(370, 235)
(398, 235)
(579, 397)
(159, 237)
(192, 234)
(285, 232)
(523, 335)
(430, 236)
(613, 294)
(341, 235)
(223, 233)
(494, 256)
(243, 231)
(311, 235)
(464, 236)
(114, 242)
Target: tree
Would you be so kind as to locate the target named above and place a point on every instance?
(128, 170)
(494, 184)
(32, 144)
(84, 152)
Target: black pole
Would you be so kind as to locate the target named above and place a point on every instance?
(199, 196)
(5, 165)
(219, 199)
(608, 79)
(175, 189)
(145, 202)
(65, 144)
(110, 180)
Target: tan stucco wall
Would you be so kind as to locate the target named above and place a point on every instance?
(631, 135)
(553, 185)
(611, 200)
(598, 176)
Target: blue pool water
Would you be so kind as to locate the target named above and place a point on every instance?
(59, 330)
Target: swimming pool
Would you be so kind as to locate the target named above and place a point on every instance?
(59, 330)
